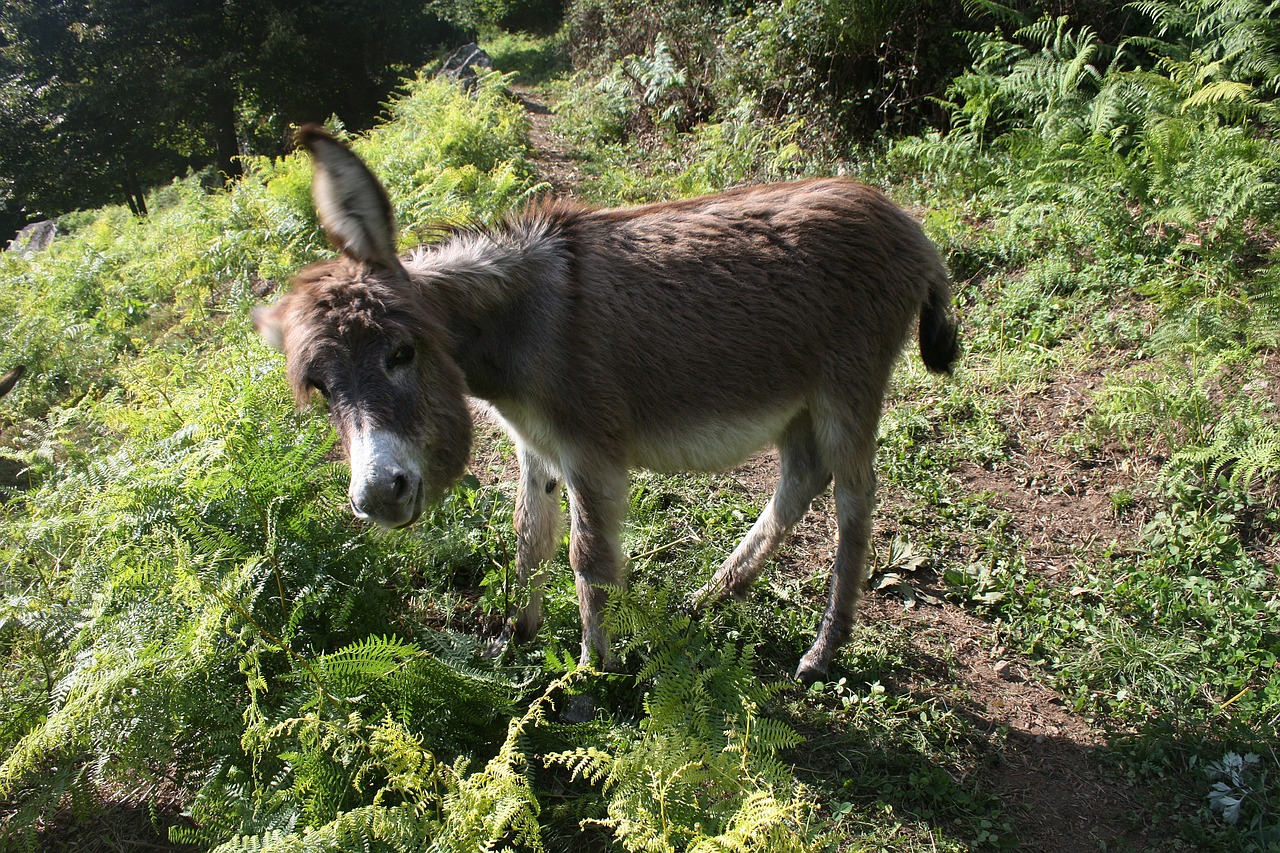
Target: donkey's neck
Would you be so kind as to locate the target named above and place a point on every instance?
(492, 287)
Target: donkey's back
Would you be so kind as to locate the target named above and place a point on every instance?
(696, 330)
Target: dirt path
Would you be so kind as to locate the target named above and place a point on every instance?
(1048, 771)
(551, 152)
(1048, 761)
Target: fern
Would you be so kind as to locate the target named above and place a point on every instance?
(204, 614)
(701, 772)
(1242, 448)
(1173, 121)
(419, 803)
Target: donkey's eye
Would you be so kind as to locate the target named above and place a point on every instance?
(399, 357)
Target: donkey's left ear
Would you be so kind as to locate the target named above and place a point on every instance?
(266, 319)
(353, 206)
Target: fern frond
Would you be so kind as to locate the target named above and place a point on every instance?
(589, 763)
(761, 822)
(1221, 93)
(354, 666)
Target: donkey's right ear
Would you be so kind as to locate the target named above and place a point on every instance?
(353, 206)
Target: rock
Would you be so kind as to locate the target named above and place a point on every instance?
(1006, 670)
(34, 238)
(461, 66)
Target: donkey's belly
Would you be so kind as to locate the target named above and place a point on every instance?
(670, 445)
(710, 444)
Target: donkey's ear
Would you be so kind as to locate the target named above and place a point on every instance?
(353, 206)
(267, 321)
(11, 379)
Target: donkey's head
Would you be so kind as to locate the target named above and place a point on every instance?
(358, 331)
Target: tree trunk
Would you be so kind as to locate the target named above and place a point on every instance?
(227, 141)
(135, 195)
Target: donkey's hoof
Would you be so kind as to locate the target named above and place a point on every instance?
(495, 646)
(689, 606)
(701, 597)
(712, 593)
(523, 629)
(810, 671)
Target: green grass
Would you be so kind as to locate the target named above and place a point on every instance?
(190, 615)
(535, 61)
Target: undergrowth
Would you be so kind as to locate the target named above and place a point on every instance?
(190, 615)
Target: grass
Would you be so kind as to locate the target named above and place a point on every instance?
(190, 615)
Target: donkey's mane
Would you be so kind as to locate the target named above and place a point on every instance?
(478, 265)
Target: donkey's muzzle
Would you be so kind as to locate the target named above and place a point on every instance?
(386, 485)
(398, 504)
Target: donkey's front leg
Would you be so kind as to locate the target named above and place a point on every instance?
(539, 523)
(597, 506)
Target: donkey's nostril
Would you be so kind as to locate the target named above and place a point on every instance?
(405, 486)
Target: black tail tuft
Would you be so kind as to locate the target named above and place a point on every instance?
(939, 339)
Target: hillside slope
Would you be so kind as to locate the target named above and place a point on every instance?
(1072, 637)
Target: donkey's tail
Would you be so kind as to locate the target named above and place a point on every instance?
(939, 337)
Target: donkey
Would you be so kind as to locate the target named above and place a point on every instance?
(674, 336)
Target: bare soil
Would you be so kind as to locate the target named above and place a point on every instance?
(1060, 501)
(552, 156)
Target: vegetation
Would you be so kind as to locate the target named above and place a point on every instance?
(102, 100)
(194, 628)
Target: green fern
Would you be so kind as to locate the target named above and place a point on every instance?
(1183, 134)
(204, 613)
(1245, 449)
(418, 803)
(701, 771)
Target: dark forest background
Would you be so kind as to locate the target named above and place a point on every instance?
(101, 100)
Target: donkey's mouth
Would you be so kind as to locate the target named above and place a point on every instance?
(419, 503)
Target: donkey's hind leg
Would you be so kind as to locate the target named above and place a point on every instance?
(539, 526)
(803, 475)
(855, 498)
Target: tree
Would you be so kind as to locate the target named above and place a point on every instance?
(106, 97)
(102, 99)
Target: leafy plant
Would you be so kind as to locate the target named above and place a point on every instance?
(701, 772)
(1242, 795)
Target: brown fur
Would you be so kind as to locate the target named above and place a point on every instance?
(673, 336)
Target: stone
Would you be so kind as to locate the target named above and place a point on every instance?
(34, 238)
(461, 66)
